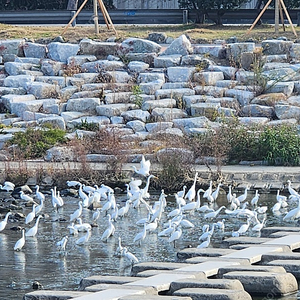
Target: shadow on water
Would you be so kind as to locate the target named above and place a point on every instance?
(40, 260)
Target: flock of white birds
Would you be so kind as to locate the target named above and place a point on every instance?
(188, 202)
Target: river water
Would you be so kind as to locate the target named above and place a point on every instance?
(39, 260)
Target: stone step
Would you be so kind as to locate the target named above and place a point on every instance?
(291, 241)
(206, 283)
(291, 266)
(210, 252)
(200, 259)
(104, 286)
(111, 294)
(140, 267)
(149, 273)
(254, 254)
(58, 295)
(244, 240)
(263, 283)
(267, 257)
(97, 279)
(213, 294)
(153, 297)
(250, 268)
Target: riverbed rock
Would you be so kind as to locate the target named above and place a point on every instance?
(35, 50)
(61, 51)
(181, 46)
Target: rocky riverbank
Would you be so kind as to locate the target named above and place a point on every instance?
(143, 88)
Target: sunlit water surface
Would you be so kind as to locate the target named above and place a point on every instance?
(40, 261)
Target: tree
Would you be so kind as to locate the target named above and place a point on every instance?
(205, 7)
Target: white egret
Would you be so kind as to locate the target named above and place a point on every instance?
(87, 188)
(56, 202)
(261, 209)
(141, 235)
(174, 212)
(206, 243)
(109, 231)
(191, 206)
(294, 213)
(73, 183)
(213, 214)
(39, 207)
(181, 193)
(96, 215)
(31, 215)
(84, 239)
(205, 234)
(179, 200)
(33, 230)
(184, 223)
(82, 226)
(25, 197)
(21, 242)
(243, 197)
(259, 225)
(123, 211)
(129, 256)
(77, 213)
(292, 191)
(255, 199)
(276, 207)
(175, 235)
(61, 245)
(120, 247)
(209, 190)
(84, 197)
(145, 193)
(144, 167)
(72, 229)
(221, 224)
(167, 231)
(151, 227)
(191, 194)
(280, 197)
(205, 208)
(3, 223)
(215, 193)
(229, 194)
(115, 214)
(8, 186)
(244, 227)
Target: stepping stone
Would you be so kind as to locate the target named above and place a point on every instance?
(149, 273)
(291, 266)
(265, 232)
(282, 256)
(206, 283)
(245, 240)
(210, 252)
(112, 294)
(213, 294)
(253, 254)
(250, 268)
(96, 279)
(162, 281)
(140, 267)
(263, 283)
(106, 286)
(156, 297)
(292, 241)
(48, 295)
(200, 259)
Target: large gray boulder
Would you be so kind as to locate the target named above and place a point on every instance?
(35, 50)
(138, 45)
(180, 74)
(181, 46)
(275, 47)
(61, 51)
(99, 49)
(88, 105)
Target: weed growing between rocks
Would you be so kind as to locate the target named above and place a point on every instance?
(33, 143)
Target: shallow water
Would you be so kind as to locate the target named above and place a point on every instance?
(40, 261)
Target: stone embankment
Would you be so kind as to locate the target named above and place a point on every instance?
(266, 266)
(182, 88)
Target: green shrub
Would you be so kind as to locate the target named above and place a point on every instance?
(280, 145)
(34, 143)
(89, 126)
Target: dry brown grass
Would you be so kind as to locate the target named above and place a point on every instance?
(204, 33)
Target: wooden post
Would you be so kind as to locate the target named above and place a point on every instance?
(288, 17)
(74, 17)
(276, 16)
(281, 16)
(258, 17)
(95, 6)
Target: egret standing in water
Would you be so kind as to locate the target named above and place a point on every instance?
(33, 230)
(129, 256)
(4, 222)
(21, 242)
(61, 245)
(31, 215)
(191, 194)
